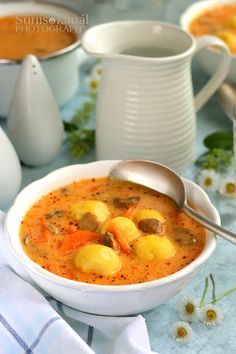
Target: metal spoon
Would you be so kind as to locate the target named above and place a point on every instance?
(162, 179)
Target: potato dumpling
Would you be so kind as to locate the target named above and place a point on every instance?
(95, 207)
(228, 37)
(148, 214)
(153, 247)
(96, 258)
(123, 225)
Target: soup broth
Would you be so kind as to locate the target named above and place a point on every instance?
(40, 36)
(220, 21)
(49, 228)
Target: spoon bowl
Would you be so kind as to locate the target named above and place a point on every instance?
(164, 180)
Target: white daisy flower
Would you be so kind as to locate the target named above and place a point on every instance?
(97, 70)
(208, 180)
(210, 315)
(93, 82)
(227, 187)
(181, 331)
(188, 309)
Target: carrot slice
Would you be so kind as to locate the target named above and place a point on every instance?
(123, 243)
(43, 231)
(129, 212)
(71, 229)
(77, 238)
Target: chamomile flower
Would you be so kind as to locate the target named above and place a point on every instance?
(208, 180)
(210, 315)
(97, 70)
(227, 187)
(93, 82)
(188, 309)
(181, 331)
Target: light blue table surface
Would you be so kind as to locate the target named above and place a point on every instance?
(217, 340)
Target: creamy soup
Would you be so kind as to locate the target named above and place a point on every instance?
(218, 20)
(109, 232)
(23, 35)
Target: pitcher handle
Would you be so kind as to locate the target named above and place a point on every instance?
(218, 77)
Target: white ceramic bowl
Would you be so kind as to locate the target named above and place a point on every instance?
(103, 299)
(208, 58)
(61, 68)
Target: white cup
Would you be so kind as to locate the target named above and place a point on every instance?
(60, 68)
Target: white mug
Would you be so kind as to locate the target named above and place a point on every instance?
(146, 108)
(61, 68)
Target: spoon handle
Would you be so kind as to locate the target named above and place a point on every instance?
(228, 235)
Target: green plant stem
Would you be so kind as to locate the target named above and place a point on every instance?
(204, 292)
(213, 287)
(222, 295)
(80, 137)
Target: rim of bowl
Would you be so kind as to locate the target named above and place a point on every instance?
(60, 52)
(33, 267)
(195, 9)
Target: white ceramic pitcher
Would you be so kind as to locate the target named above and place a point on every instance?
(146, 108)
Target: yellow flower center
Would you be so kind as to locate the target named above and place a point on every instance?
(99, 71)
(208, 181)
(189, 308)
(182, 332)
(230, 187)
(211, 315)
(94, 84)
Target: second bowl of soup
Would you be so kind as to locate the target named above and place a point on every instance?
(50, 32)
(215, 18)
(107, 247)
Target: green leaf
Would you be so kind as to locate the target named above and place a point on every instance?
(83, 115)
(79, 135)
(69, 127)
(221, 140)
(80, 138)
(93, 95)
(81, 142)
(216, 159)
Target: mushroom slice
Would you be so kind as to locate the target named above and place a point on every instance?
(55, 229)
(125, 202)
(53, 213)
(184, 236)
(151, 226)
(88, 222)
(26, 239)
(109, 241)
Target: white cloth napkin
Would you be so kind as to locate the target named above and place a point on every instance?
(33, 322)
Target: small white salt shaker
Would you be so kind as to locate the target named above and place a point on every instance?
(10, 172)
(34, 123)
